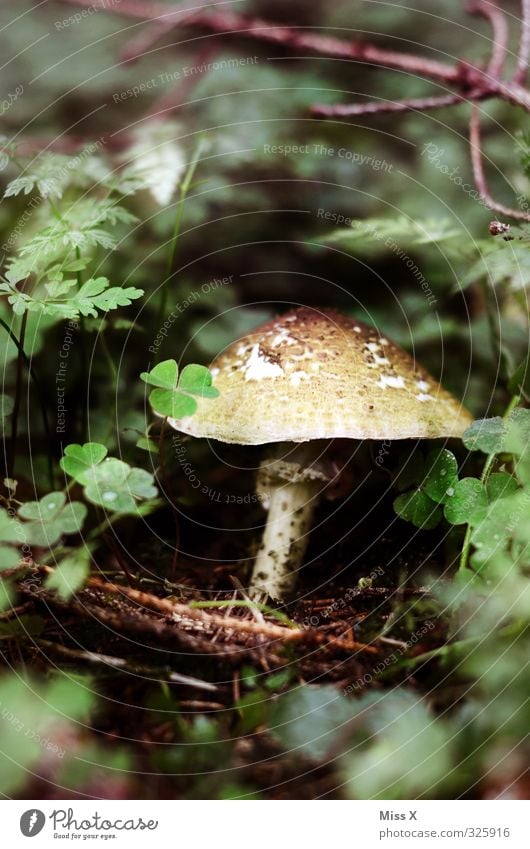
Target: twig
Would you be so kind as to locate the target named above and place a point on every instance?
(144, 41)
(123, 665)
(524, 44)
(420, 104)
(185, 613)
(478, 170)
(499, 26)
(231, 23)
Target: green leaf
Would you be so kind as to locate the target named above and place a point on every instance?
(116, 487)
(309, 720)
(7, 594)
(418, 508)
(70, 574)
(498, 525)
(141, 484)
(10, 528)
(198, 381)
(44, 510)
(80, 459)
(517, 439)
(401, 748)
(500, 485)
(147, 444)
(50, 518)
(486, 435)
(35, 714)
(9, 557)
(406, 230)
(467, 504)
(164, 375)
(173, 404)
(442, 474)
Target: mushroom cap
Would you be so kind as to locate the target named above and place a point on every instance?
(317, 374)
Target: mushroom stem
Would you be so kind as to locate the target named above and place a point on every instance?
(290, 490)
(285, 538)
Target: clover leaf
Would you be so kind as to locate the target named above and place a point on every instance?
(163, 375)
(197, 380)
(50, 518)
(9, 533)
(486, 435)
(107, 481)
(500, 485)
(442, 474)
(496, 528)
(173, 395)
(78, 460)
(418, 508)
(467, 502)
(70, 574)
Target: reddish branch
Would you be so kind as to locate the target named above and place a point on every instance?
(470, 83)
(499, 26)
(524, 45)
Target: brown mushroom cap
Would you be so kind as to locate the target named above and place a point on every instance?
(317, 374)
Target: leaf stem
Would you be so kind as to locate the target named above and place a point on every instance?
(40, 394)
(18, 398)
(490, 459)
(84, 359)
(183, 192)
(253, 605)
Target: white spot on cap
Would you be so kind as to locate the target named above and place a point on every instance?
(298, 376)
(384, 341)
(424, 396)
(373, 346)
(392, 381)
(282, 337)
(214, 371)
(423, 385)
(381, 361)
(259, 367)
(357, 329)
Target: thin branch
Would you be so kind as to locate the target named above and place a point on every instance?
(524, 44)
(499, 26)
(123, 665)
(230, 23)
(463, 76)
(144, 41)
(478, 170)
(420, 104)
(183, 613)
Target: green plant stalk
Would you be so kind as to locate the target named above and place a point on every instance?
(500, 353)
(183, 192)
(253, 605)
(490, 459)
(40, 395)
(110, 362)
(84, 360)
(109, 521)
(18, 398)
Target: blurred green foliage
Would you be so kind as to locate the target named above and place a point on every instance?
(109, 267)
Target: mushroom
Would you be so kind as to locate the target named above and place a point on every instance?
(307, 376)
